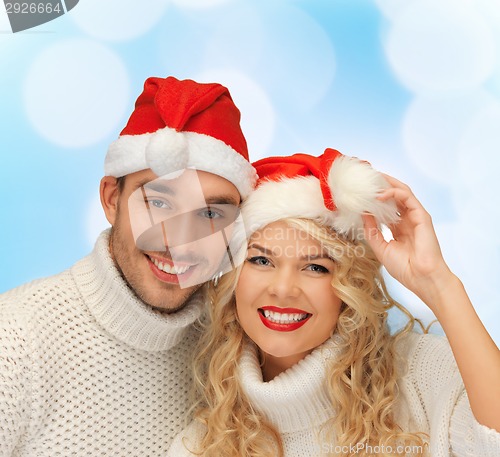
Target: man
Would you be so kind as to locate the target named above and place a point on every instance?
(95, 360)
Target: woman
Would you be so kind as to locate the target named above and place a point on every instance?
(298, 360)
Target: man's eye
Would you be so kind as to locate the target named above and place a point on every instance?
(210, 214)
(158, 203)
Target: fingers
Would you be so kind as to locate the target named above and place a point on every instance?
(373, 236)
(395, 182)
(404, 198)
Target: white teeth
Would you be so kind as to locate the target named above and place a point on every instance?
(173, 270)
(284, 318)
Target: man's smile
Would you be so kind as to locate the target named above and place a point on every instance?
(167, 272)
(168, 265)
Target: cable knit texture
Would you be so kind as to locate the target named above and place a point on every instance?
(432, 400)
(87, 369)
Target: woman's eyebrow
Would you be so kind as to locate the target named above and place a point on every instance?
(307, 257)
(316, 257)
(261, 249)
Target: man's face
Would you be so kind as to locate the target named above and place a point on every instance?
(160, 241)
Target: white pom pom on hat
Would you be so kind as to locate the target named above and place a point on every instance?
(333, 189)
(179, 124)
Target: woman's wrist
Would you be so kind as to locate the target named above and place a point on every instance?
(441, 290)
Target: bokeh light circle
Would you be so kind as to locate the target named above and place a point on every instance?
(257, 112)
(118, 20)
(440, 46)
(478, 157)
(199, 4)
(432, 127)
(76, 92)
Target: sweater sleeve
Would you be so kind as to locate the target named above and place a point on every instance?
(453, 428)
(14, 380)
(467, 436)
(187, 440)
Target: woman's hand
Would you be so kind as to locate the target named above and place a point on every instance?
(413, 257)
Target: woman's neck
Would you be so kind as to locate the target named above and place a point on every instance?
(295, 400)
(273, 366)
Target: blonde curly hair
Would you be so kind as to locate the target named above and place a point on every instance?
(362, 382)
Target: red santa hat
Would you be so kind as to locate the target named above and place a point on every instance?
(183, 124)
(332, 189)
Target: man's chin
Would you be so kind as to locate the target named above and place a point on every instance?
(176, 303)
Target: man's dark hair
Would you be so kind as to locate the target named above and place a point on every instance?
(121, 183)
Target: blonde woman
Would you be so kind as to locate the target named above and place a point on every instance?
(298, 359)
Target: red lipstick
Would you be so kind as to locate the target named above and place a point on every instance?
(276, 309)
(288, 327)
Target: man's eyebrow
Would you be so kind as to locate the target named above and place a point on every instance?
(158, 186)
(222, 200)
(164, 188)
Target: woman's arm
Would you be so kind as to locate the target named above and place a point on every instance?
(414, 258)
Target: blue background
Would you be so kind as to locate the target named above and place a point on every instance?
(412, 86)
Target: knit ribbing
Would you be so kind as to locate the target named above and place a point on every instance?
(119, 311)
(296, 399)
(88, 370)
(431, 400)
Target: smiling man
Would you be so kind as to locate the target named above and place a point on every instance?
(95, 360)
(166, 238)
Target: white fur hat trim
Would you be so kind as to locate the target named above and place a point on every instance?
(354, 186)
(168, 150)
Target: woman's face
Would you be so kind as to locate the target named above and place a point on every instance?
(284, 298)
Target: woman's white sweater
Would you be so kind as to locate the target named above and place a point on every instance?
(432, 400)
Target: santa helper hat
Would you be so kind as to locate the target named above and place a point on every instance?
(332, 189)
(183, 124)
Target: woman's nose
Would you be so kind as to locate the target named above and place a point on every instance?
(284, 284)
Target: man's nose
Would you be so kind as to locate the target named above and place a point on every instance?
(173, 231)
(187, 227)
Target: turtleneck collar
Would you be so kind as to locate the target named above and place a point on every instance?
(296, 399)
(121, 312)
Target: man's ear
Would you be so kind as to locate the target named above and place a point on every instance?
(109, 192)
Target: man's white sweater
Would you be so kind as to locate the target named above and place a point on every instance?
(432, 400)
(87, 369)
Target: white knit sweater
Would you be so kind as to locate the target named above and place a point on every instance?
(432, 400)
(87, 369)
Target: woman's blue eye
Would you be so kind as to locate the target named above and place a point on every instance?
(318, 268)
(259, 260)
